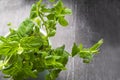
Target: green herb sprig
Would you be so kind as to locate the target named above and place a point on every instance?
(26, 52)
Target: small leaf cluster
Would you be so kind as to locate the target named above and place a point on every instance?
(27, 51)
(86, 53)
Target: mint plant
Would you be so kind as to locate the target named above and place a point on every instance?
(26, 52)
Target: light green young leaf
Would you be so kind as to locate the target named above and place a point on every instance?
(9, 24)
(37, 21)
(20, 50)
(39, 3)
(86, 55)
(81, 46)
(97, 45)
(66, 11)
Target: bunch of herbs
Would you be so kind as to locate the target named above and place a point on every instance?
(26, 52)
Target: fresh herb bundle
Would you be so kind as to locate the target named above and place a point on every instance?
(25, 52)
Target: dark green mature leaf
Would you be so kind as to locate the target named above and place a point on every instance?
(59, 6)
(3, 39)
(14, 68)
(25, 28)
(86, 56)
(51, 16)
(31, 42)
(33, 12)
(8, 47)
(33, 7)
(75, 50)
(64, 55)
(51, 32)
(51, 29)
(59, 51)
(63, 21)
(52, 62)
(86, 61)
(13, 35)
(53, 74)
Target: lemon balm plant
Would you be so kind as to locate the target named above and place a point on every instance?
(26, 52)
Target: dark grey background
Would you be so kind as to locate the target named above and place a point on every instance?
(91, 21)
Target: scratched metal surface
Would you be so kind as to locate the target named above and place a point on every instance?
(91, 20)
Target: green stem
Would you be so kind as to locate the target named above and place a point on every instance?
(95, 51)
(44, 23)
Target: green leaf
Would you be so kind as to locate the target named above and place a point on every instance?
(97, 45)
(61, 52)
(75, 50)
(39, 3)
(8, 47)
(52, 0)
(53, 74)
(3, 39)
(33, 8)
(66, 11)
(25, 28)
(86, 55)
(63, 21)
(51, 29)
(14, 69)
(9, 24)
(12, 31)
(37, 21)
(80, 46)
(20, 50)
(86, 61)
(51, 16)
(31, 42)
(59, 6)
(51, 32)
(33, 14)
